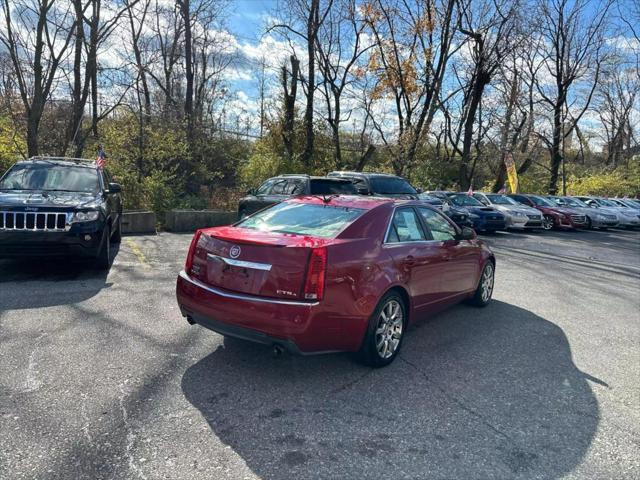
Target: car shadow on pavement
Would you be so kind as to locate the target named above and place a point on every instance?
(489, 393)
(45, 282)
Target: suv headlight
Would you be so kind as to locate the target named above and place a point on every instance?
(86, 216)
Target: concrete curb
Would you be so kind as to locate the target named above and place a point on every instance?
(135, 222)
(191, 220)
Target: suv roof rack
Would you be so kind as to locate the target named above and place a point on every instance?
(62, 159)
(293, 175)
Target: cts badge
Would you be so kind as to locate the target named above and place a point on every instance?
(234, 252)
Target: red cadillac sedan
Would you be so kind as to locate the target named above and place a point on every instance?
(328, 274)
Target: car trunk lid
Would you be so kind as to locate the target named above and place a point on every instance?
(252, 262)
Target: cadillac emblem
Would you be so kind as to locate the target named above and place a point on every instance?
(234, 252)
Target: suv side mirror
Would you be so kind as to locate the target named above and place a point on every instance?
(115, 188)
(467, 233)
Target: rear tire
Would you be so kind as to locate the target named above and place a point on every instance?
(103, 260)
(482, 296)
(383, 339)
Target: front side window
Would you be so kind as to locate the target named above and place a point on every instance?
(265, 187)
(324, 221)
(295, 187)
(405, 227)
(541, 202)
(481, 198)
(51, 177)
(438, 226)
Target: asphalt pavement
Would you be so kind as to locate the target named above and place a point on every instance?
(101, 378)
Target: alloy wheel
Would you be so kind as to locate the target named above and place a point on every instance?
(487, 282)
(389, 329)
(547, 222)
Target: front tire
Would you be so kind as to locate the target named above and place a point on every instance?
(547, 222)
(117, 235)
(482, 296)
(103, 260)
(385, 332)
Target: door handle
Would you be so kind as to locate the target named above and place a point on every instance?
(409, 260)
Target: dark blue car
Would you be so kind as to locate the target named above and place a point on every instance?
(485, 219)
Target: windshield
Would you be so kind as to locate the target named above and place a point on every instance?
(50, 177)
(574, 202)
(430, 198)
(465, 201)
(324, 221)
(542, 202)
(501, 200)
(391, 185)
(328, 187)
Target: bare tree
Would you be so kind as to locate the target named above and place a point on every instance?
(413, 45)
(339, 47)
(571, 48)
(290, 90)
(37, 34)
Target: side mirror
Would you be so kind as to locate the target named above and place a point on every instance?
(362, 190)
(468, 233)
(250, 191)
(419, 190)
(115, 188)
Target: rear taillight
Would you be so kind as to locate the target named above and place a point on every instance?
(192, 251)
(314, 284)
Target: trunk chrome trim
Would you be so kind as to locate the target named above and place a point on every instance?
(241, 263)
(240, 296)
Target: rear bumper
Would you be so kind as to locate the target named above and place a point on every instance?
(300, 327)
(83, 242)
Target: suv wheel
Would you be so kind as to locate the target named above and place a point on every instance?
(117, 235)
(103, 260)
(384, 335)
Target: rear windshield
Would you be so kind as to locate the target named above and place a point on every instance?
(50, 177)
(391, 185)
(322, 187)
(324, 221)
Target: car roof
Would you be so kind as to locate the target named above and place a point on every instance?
(64, 161)
(354, 201)
(312, 177)
(348, 173)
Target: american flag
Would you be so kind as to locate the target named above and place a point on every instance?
(101, 159)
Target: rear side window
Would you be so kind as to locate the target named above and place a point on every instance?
(405, 227)
(391, 186)
(438, 226)
(324, 221)
(329, 187)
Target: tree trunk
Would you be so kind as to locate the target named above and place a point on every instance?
(556, 146)
(312, 30)
(289, 95)
(188, 55)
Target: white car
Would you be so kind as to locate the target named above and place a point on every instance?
(517, 215)
(628, 217)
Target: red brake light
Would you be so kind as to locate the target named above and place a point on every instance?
(192, 250)
(314, 284)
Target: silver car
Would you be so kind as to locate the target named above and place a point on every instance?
(595, 218)
(628, 217)
(517, 214)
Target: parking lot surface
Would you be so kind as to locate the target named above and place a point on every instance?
(101, 378)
